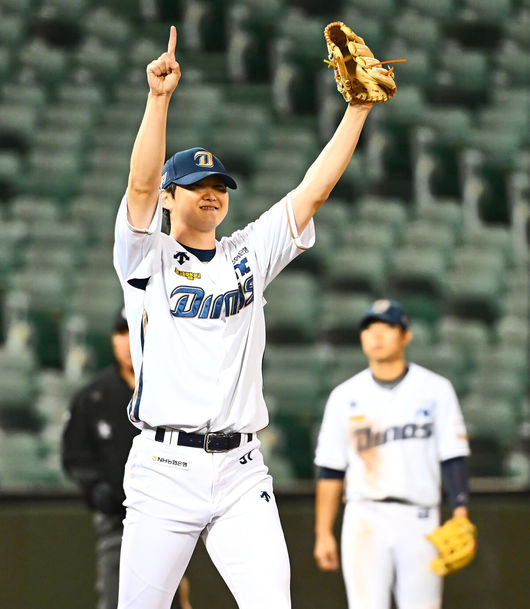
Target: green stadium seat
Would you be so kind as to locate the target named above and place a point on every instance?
(96, 296)
(12, 31)
(442, 212)
(54, 175)
(10, 171)
(444, 359)
(381, 9)
(486, 10)
(367, 233)
(383, 211)
(341, 315)
(422, 332)
(34, 210)
(408, 109)
(293, 376)
(293, 308)
(499, 147)
(204, 25)
(107, 26)
(471, 337)
(417, 31)
(86, 95)
(430, 235)
(53, 141)
(102, 160)
(335, 217)
(512, 61)
(13, 234)
(496, 239)
(241, 135)
(441, 9)
(492, 429)
(46, 64)
(30, 94)
(356, 268)
(296, 50)
(505, 359)
(58, 256)
(293, 392)
(196, 105)
(513, 331)
(108, 188)
(101, 63)
(474, 293)
(45, 287)
(17, 7)
(344, 362)
(463, 78)
(470, 256)
(294, 137)
(17, 125)
(418, 269)
(518, 27)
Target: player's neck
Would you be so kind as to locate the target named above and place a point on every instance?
(196, 239)
(389, 370)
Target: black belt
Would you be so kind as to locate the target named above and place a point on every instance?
(394, 500)
(210, 442)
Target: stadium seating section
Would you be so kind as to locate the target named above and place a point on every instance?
(433, 209)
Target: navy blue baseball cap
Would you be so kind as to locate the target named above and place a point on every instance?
(387, 311)
(189, 166)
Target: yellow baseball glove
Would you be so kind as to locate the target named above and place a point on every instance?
(456, 542)
(358, 73)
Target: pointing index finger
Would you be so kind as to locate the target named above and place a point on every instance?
(171, 45)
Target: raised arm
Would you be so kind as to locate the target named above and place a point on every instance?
(330, 164)
(148, 154)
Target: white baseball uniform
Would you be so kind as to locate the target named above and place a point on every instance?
(390, 442)
(197, 334)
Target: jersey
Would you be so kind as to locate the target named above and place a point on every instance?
(197, 331)
(390, 442)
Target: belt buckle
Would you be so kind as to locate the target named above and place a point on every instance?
(207, 443)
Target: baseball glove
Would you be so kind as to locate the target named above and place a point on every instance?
(358, 73)
(456, 543)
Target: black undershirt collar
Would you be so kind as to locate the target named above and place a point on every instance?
(202, 255)
(393, 383)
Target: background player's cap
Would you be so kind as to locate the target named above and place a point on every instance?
(388, 311)
(120, 322)
(190, 166)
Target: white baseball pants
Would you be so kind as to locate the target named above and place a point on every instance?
(384, 551)
(176, 494)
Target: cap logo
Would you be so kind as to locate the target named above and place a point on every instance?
(380, 306)
(203, 158)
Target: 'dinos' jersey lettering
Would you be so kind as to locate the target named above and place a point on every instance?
(391, 441)
(197, 331)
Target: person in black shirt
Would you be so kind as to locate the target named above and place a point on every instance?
(96, 440)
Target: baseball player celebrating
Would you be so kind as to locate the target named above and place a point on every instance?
(385, 432)
(195, 312)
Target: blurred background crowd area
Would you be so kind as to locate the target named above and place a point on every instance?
(433, 209)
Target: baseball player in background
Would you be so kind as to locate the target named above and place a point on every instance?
(96, 441)
(384, 434)
(195, 312)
